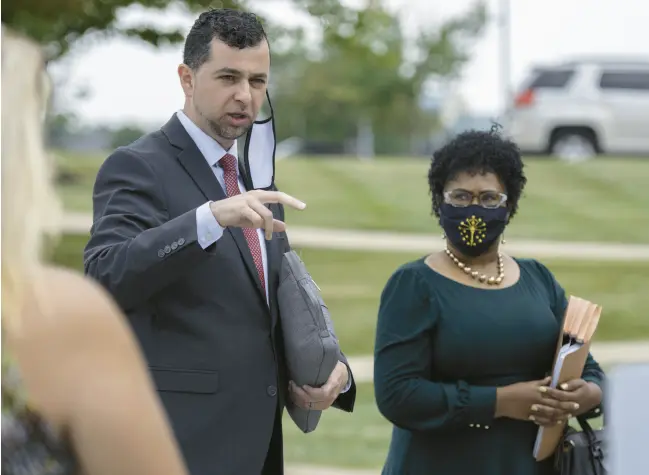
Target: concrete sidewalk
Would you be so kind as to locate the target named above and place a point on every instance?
(606, 353)
(316, 470)
(379, 241)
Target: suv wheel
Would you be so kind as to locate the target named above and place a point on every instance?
(573, 146)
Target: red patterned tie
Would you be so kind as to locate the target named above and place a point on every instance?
(230, 166)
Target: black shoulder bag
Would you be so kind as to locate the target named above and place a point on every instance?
(581, 452)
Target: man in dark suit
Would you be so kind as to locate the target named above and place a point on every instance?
(193, 259)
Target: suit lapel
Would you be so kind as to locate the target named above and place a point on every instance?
(195, 165)
(192, 160)
(274, 252)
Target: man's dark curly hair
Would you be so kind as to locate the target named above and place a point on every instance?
(478, 152)
(235, 28)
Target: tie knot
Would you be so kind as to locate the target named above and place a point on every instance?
(229, 163)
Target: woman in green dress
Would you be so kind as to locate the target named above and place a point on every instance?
(466, 337)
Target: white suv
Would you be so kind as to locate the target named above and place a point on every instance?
(578, 109)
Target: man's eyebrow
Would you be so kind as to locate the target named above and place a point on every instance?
(228, 71)
(236, 72)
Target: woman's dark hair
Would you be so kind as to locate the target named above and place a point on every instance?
(476, 152)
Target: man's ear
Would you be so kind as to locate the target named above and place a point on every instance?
(186, 76)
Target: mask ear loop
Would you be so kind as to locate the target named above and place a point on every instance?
(248, 178)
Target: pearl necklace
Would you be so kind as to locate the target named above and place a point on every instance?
(476, 275)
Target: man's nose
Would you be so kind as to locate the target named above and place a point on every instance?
(243, 93)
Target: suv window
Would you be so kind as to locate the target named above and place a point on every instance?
(629, 80)
(551, 79)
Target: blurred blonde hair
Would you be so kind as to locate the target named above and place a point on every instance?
(30, 207)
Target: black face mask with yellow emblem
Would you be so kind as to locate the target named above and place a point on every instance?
(472, 230)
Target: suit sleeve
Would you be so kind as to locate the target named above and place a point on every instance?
(592, 370)
(135, 250)
(404, 392)
(345, 401)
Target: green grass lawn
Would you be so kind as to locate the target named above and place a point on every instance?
(602, 200)
(358, 440)
(352, 281)
(77, 194)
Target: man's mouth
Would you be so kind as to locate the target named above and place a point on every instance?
(238, 119)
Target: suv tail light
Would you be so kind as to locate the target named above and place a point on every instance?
(525, 98)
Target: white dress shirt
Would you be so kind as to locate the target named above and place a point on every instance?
(208, 229)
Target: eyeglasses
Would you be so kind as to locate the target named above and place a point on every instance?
(464, 198)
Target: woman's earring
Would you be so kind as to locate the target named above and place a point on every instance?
(503, 240)
(443, 235)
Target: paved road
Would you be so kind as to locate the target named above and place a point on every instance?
(345, 239)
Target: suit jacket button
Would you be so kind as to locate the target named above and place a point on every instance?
(272, 391)
(181, 241)
(167, 249)
(161, 253)
(174, 246)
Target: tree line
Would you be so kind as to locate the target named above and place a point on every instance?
(364, 72)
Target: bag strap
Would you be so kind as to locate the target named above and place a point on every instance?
(586, 429)
(593, 444)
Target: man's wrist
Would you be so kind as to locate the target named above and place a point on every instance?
(346, 382)
(215, 212)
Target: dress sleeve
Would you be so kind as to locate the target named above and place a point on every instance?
(592, 371)
(402, 362)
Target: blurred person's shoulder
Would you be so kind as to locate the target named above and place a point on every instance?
(73, 295)
(69, 312)
(68, 328)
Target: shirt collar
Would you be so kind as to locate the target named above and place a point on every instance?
(212, 151)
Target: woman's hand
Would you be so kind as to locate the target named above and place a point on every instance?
(583, 395)
(530, 401)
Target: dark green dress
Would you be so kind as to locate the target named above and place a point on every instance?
(441, 350)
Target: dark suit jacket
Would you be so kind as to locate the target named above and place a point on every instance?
(213, 344)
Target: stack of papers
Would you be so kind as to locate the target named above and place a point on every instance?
(579, 325)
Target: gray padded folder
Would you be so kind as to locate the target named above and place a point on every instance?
(311, 346)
